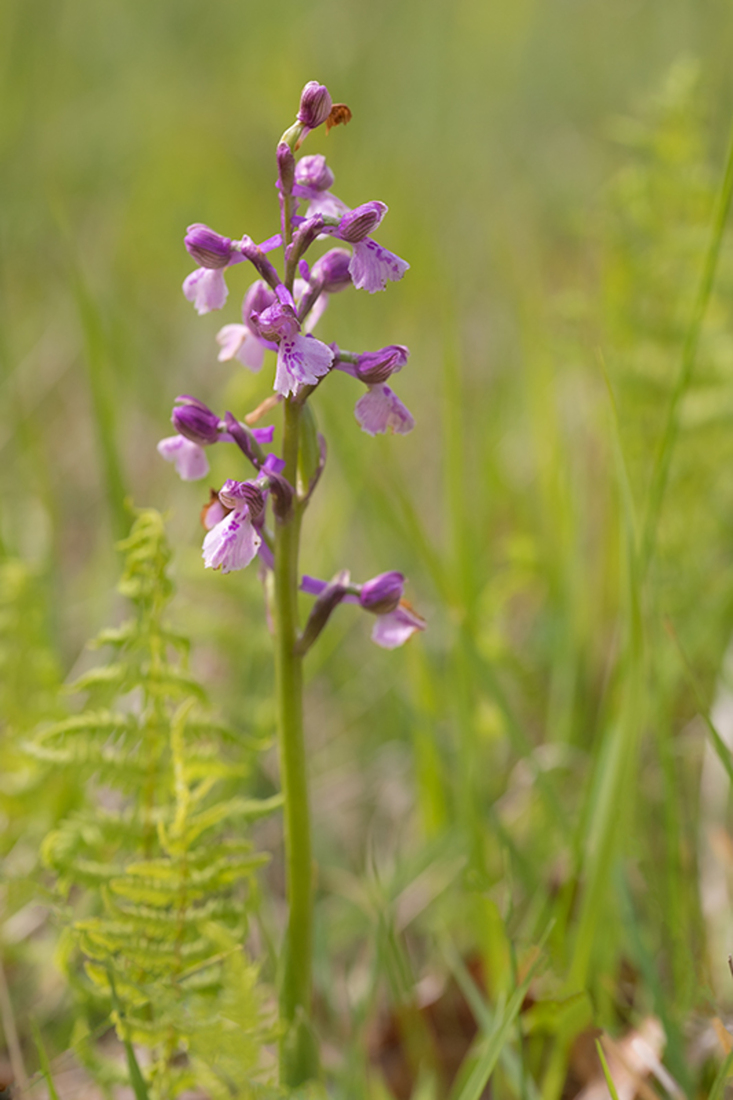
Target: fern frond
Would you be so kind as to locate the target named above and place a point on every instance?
(159, 861)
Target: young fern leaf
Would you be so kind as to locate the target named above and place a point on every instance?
(158, 862)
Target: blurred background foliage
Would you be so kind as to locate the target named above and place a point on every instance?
(550, 170)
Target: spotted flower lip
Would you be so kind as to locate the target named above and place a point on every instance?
(372, 266)
(232, 543)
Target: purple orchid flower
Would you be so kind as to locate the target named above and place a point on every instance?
(395, 625)
(372, 266)
(245, 342)
(199, 427)
(301, 359)
(233, 542)
(380, 408)
(313, 182)
(205, 286)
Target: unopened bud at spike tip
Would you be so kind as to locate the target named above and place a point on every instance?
(315, 104)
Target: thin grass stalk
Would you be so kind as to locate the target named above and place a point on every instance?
(663, 461)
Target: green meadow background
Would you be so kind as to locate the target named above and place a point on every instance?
(540, 753)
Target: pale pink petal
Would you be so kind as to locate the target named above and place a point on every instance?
(301, 360)
(206, 288)
(232, 543)
(327, 204)
(393, 630)
(230, 339)
(372, 266)
(380, 408)
(239, 342)
(190, 460)
(252, 353)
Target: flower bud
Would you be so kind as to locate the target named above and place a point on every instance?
(383, 593)
(360, 222)
(195, 421)
(315, 104)
(285, 167)
(332, 270)
(238, 494)
(209, 249)
(377, 366)
(313, 172)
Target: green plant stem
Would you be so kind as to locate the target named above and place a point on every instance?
(660, 475)
(295, 987)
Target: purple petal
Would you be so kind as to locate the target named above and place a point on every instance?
(272, 464)
(393, 630)
(189, 459)
(372, 266)
(361, 221)
(239, 342)
(264, 435)
(380, 408)
(232, 544)
(382, 594)
(312, 586)
(206, 288)
(301, 360)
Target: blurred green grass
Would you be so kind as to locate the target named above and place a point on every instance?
(541, 226)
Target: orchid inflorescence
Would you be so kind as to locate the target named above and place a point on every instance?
(279, 314)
